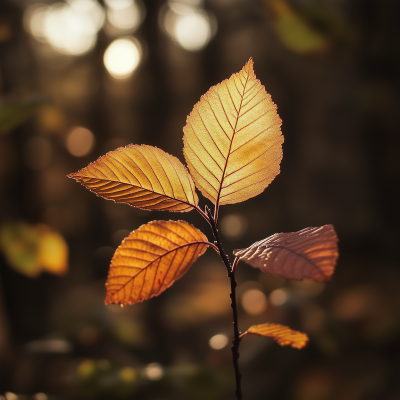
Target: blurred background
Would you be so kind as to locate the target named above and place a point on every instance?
(79, 78)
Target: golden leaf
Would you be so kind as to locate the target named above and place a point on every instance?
(280, 333)
(232, 139)
(310, 253)
(151, 259)
(141, 176)
(33, 249)
(52, 251)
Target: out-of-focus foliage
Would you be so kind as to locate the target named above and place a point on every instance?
(294, 31)
(13, 113)
(33, 249)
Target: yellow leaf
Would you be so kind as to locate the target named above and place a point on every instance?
(20, 242)
(32, 249)
(310, 253)
(232, 139)
(141, 176)
(280, 333)
(53, 251)
(151, 259)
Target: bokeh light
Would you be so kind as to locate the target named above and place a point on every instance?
(218, 342)
(233, 226)
(193, 31)
(188, 24)
(154, 371)
(70, 28)
(122, 57)
(124, 16)
(254, 301)
(278, 297)
(80, 141)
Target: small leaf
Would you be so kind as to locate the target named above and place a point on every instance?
(310, 253)
(151, 259)
(53, 251)
(13, 113)
(294, 31)
(232, 139)
(280, 333)
(141, 176)
(33, 249)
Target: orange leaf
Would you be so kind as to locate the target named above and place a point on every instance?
(232, 139)
(280, 333)
(151, 259)
(141, 176)
(310, 253)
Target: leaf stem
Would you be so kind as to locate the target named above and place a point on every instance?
(236, 333)
(203, 214)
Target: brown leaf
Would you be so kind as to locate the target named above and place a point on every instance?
(310, 253)
(151, 259)
(141, 176)
(280, 333)
(232, 139)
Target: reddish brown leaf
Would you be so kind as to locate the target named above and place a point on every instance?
(141, 176)
(280, 333)
(232, 139)
(151, 259)
(310, 253)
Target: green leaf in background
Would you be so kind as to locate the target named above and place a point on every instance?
(14, 113)
(294, 31)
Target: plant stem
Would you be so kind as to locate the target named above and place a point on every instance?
(236, 333)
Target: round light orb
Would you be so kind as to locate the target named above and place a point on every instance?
(193, 31)
(122, 57)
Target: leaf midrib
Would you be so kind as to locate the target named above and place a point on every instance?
(233, 137)
(141, 187)
(156, 259)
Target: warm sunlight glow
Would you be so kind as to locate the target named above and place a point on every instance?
(154, 371)
(123, 16)
(80, 141)
(278, 297)
(254, 302)
(233, 226)
(218, 342)
(69, 28)
(122, 57)
(193, 31)
(188, 24)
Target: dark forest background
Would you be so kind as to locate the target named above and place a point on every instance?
(332, 67)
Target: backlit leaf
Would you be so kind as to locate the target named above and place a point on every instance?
(33, 249)
(310, 253)
(280, 333)
(151, 259)
(141, 176)
(232, 139)
(53, 251)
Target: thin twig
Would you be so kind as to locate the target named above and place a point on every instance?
(236, 333)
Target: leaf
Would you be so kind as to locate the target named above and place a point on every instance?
(310, 253)
(151, 259)
(232, 139)
(33, 249)
(294, 31)
(53, 251)
(280, 333)
(13, 113)
(141, 176)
